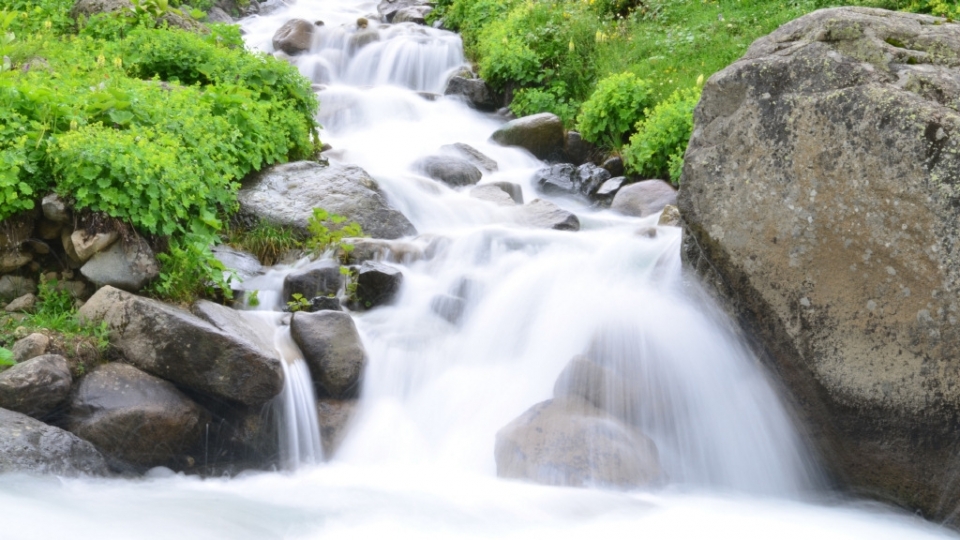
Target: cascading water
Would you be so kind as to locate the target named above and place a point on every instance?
(418, 460)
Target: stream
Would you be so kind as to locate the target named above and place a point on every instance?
(418, 459)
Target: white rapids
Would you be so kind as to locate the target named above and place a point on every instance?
(418, 460)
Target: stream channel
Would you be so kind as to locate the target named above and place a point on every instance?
(418, 459)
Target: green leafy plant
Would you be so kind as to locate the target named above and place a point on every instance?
(617, 105)
(6, 358)
(189, 270)
(328, 232)
(297, 303)
(253, 298)
(266, 241)
(553, 99)
(657, 148)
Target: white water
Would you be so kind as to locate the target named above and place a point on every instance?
(418, 460)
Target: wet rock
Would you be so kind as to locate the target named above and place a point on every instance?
(30, 347)
(576, 150)
(361, 39)
(217, 15)
(452, 171)
(325, 303)
(590, 178)
(540, 134)
(15, 286)
(371, 249)
(35, 387)
(86, 245)
(294, 37)
(559, 179)
(240, 264)
(388, 9)
(182, 348)
(377, 284)
(413, 14)
(237, 324)
(55, 209)
(471, 154)
(28, 445)
(494, 194)
(448, 307)
(22, 304)
(475, 92)
(568, 442)
(323, 279)
(839, 255)
(333, 416)
(670, 217)
(332, 349)
(644, 198)
(134, 416)
(128, 265)
(546, 215)
(287, 194)
(609, 189)
(614, 165)
(600, 387)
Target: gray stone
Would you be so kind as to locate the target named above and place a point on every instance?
(15, 286)
(372, 249)
(334, 416)
(35, 387)
(494, 194)
(448, 307)
(590, 178)
(29, 445)
(377, 284)
(475, 92)
(602, 388)
(237, 324)
(670, 217)
(325, 303)
(644, 198)
(452, 171)
(388, 9)
(128, 265)
(134, 416)
(471, 154)
(217, 15)
(294, 37)
(546, 215)
(362, 38)
(87, 245)
(332, 349)
(321, 279)
(613, 165)
(820, 202)
(54, 209)
(559, 179)
(568, 442)
(182, 348)
(609, 189)
(412, 14)
(13, 259)
(540, 134)
(576, 150)
(24, 304)
(30, 347)
(287, 194)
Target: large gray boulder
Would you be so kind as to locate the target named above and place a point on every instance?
(127, 264)
(182, 348)
(821, 196)
(37, 386)
(134, 416)
(644, 198)
(332, 349)
(28, 445)
(546, 215)
(450, 170)
(540, 134)
(287, 194)
(475, 92)
(568, 442)
(294, 37)
(238, 323)
(471, 154)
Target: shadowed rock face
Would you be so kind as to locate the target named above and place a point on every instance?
(29, 445)
(820, 199)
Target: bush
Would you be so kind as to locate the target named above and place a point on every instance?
(617, 105)
(657, 148)
(536, 100)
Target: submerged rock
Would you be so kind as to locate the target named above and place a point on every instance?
(471, 154)
(377, 284)
(28, 445)
(546, 215)
(323, 279)
(493, 193)
(475, 92)
(35, 387)
(334, 415)
(287, 194)
(452, 171)
(332, 349)
(644, 198)
(540, 134)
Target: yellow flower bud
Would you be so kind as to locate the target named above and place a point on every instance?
(700, 80)
(101, 60)
(118, 62)
(571, 46)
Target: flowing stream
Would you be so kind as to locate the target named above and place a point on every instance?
(418, 460)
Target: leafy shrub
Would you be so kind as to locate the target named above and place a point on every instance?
(613, 109)
(189, 270)
(266, 241)
(328, 231)
(6, 358)
(657, 148)
(536, 100)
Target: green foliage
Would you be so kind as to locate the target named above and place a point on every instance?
(266, 241)
(297, 303)
(40, 16)
(328, 232)
(56, 313)
(613, 109)
(189, 270)
(253, 298)
(553, 99)
(6, 358)
(657, 148)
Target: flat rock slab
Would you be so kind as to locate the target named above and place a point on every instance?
(29, 445)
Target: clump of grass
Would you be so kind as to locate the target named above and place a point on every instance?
(266, 241)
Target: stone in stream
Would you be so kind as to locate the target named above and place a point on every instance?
(493, 193)
(450, 170)
(127, 264)
(332, 349)
(576, 150)
(448, 307)
(584, 379)
(475, 92)
(670, 217)
(540, 134)
(559, 179)
(613, 165)
(820, 204)
(133, 416)
(590, 178)
(325, 303)
(362, 38)
(36, 386)
(287, 194)
(644, 198)
(569, 442)
(377, 284)
(609, 189)
(546, 215)
(29, 445)
(471, 154)
(412, 14)
(371, 249)
(388, 9)
(322, 279)
(234, 323)
(333, 415)
(294, 37)
(182, 348)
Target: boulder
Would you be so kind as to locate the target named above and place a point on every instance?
(608, 190)
(582, 378)
(35, 387)
(294, 37)
(413, 14)
(452, 171)
(361, 39)
(86, 245)
(377, 284)
(15, 286)
(371, 249)
(332, 349)
(590, 178)
(323, 279)
(540, 134)
(475, 92)
(217, 15)
(30, 347)
(494, 194)
(546, 215)
(614, 165)
(559, 179)
(134, 416)
(670, 217)
(471, 154)
(324, 303)
(22, 304)
(389, 9)
(820, 202)
(568, 442)
(55, 209)
(179, 347)
(241, 324)
(448, 307)
(333, 415)
(287, 194)
(29, 445)
(128, 265)
(644, 198)
(244, 265)
(13, 259)
(576, 150)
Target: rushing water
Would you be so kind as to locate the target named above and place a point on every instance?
(418, 461)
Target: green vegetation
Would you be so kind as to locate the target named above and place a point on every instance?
(297, 303)
(152, 125)
(587, 60)
(328, 232)
(6, 358)
(266, 241)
